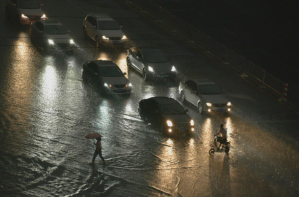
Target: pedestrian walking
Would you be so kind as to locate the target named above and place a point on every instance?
(98, 150)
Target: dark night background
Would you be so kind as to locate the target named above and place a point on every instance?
(264, 31)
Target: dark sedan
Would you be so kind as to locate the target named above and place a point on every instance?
(167, 114)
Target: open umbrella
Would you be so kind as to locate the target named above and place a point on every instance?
(93, 136)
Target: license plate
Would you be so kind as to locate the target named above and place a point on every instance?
(119, 90)
(220, 109)
(115, 42)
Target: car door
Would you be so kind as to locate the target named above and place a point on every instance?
(92, 73)
(91, 26)
(191, 92)
(135, 59)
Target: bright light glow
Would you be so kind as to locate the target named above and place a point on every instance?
(170, 130)
(192, 122)
(173, 69)
(110, 85)
(228, 109)
(169, 123)
(192, 129)
(72, 41)
(209, 110)
(128, 85)
(106, 85)
(51, 41)
(105, 38)
(209, 104)
(24, 16)
(124, 37)
(43, 16)
(150, 69)
(229, 104)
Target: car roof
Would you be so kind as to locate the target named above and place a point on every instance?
(202, 81)
(104, 63)
(164, 100)
(101, 16)
(50, 22)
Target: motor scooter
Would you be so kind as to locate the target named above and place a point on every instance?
(223, 147)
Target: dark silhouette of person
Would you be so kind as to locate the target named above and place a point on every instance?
(98, 151)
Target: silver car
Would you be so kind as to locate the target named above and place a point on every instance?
(51, 34)
(151, 63)
(103, 29)
(24, 11)
(205, 94)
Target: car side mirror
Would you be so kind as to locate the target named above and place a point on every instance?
(186, 110)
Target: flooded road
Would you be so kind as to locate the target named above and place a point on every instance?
(47, 110)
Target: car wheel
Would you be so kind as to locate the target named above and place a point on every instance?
(98, 41)
(200, 108)
(84, 33)
(129, 62)
(182, 96)
(145, 77)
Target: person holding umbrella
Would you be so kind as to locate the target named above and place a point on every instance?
(98, 150)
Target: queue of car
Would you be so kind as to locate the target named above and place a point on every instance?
(165, 113)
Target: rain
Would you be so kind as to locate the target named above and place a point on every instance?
(47, 110)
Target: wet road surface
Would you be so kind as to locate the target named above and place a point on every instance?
(47, 109)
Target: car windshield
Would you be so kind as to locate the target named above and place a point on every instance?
(156, 56)
(172, 109)
(108, 25)
(28, 4)
(209, 89)
(110, 71)
(55, 29)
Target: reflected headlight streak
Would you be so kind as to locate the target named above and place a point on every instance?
(169, 123)
(209, 104)
(192, 122)
(150, 69)
(72, 41)
(43, 16)
(229, 104)
(173, 69)
(50, 41)
(24, 16)
(124, 37)
(105, 38)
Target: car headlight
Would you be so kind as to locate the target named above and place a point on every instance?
(169, 123)
(229, 104)
(106, 85)
(43, 16)
(50, 41)
(173, 69)
(128, 85)
(192, 122)
(150, 69)
(124, 37)
(105, 38)
(24, 16)
(72, 41)
(209, 104)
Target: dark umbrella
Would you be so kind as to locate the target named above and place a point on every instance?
(93, 136)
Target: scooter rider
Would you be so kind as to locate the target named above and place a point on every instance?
(223, 138)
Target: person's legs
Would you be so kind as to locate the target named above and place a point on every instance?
(94, 155)
(100, 153)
